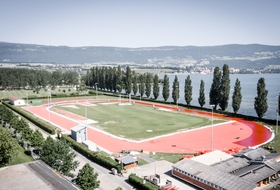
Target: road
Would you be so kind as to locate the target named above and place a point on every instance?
(108, 181)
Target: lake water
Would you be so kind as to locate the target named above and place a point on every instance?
(248, 90)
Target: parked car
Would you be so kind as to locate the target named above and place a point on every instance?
(36, 151)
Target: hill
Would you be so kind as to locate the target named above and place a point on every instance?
(238, 56)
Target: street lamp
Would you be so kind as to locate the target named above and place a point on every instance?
(177, 89)
(96, 90)
(86, 111)
(212, 132)
(49, 100)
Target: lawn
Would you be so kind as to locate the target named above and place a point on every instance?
(21, 157)
(137, 121)
(5, 94)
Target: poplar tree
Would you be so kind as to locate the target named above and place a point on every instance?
(148, 85)
(261, 98)
(224, 88)
(165, 89)
(142, 84)
(214, 94)
(87, 178)
(188, 90)
(236, 96)
(201, 97)
(128, 81)
(134, 85)
(175, 91)
(156, 86)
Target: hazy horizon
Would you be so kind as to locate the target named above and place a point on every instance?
(133, 24)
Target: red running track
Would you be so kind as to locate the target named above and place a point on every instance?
(237, 134)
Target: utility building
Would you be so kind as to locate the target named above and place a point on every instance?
(79, 133)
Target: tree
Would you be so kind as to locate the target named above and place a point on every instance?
(128, 81)
(261, 98)
(37, 139)
(165, 89)
(175, 91)
(118, 79)
(87, 179)
(201, 97)
(148, 84)
(8, 147)
(59, 156)
(236, 96)
(156, 87)
(214, 94)
(188, 90)
(135, 85)
(224, 88)
(142, 84)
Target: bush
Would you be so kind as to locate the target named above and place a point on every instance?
(96, 157)
(138, 183)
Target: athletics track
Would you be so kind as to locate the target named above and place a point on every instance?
(230, 137)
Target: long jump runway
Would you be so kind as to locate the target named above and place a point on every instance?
(236, 134)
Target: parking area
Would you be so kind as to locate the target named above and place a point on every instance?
(163, 169)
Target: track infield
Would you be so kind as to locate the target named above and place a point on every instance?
(234, 135)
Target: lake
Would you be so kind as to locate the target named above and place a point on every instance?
(248, 90)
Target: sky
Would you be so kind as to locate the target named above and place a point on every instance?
(140, 23)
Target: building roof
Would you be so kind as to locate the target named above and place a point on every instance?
(32, 175)
(231, 164)
(220, 178)
(126, 160)
(212, 157)
(272, 163)
(13, 98)
(243, 171)
(252, 154)
(78, 128)
(259, 174)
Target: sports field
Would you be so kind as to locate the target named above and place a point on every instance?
(136, 121)
(235, 134)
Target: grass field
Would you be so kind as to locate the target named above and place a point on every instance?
(21, 157)
(5, 94)
(137, 121)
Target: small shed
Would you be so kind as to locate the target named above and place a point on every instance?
(79, 133)
(16, 101)
(127, 161)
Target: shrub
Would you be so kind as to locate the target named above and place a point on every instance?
(138, 183)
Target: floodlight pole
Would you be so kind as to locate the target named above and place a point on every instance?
(212, 132)
(49, 106)
(86, 112)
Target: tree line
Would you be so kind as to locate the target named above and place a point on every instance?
(117, 80)
(18, 78)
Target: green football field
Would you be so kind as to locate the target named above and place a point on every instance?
(137, 121)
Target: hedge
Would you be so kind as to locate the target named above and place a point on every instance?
(96, 157)
(138, 183)
(38, 122)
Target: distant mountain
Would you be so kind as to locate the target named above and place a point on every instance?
(238, 56)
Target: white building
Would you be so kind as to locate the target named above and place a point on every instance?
(16, 101)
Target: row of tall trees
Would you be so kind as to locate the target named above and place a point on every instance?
(17, 78)
(127, 81)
